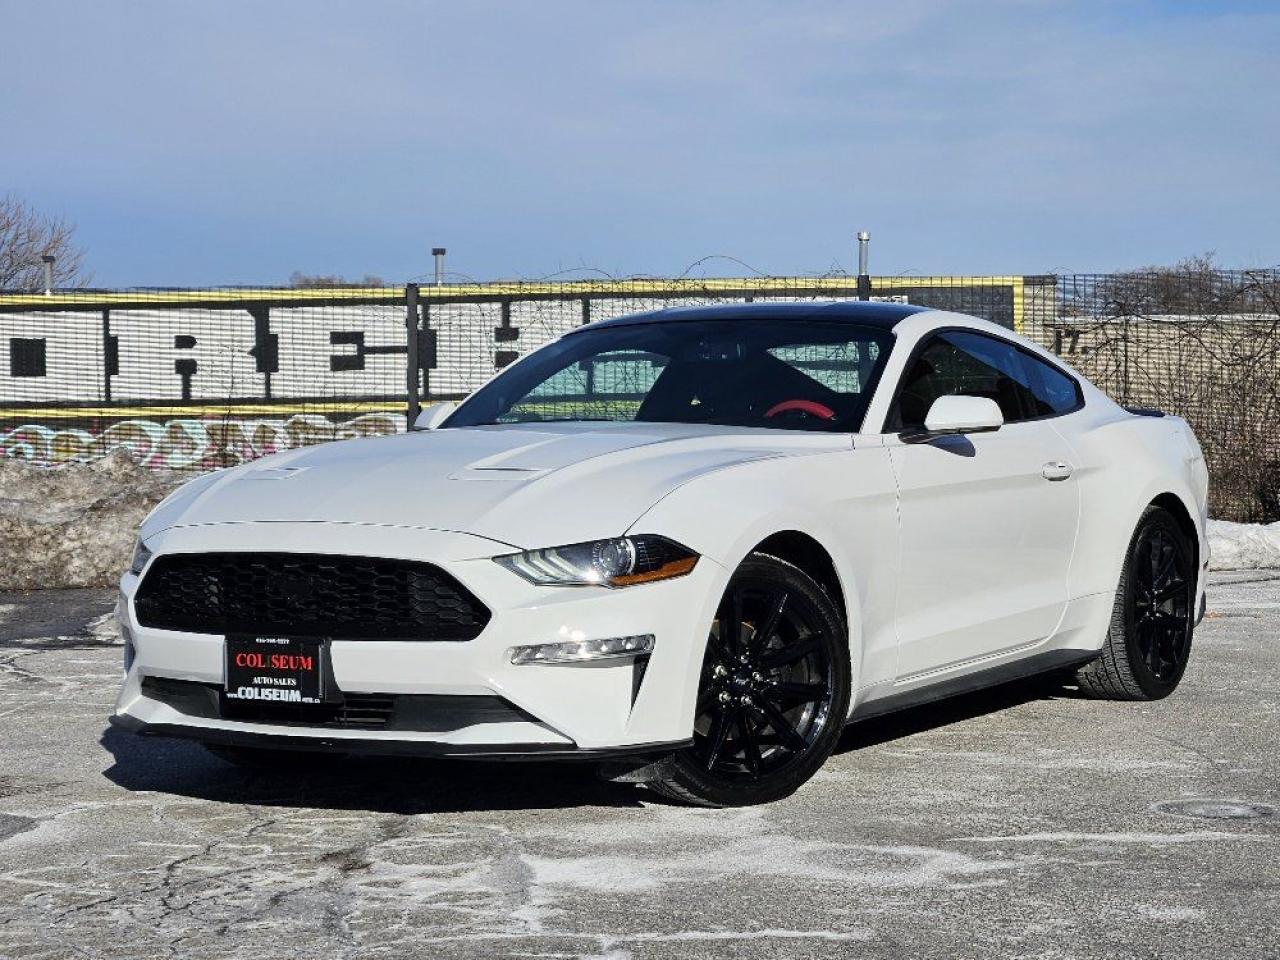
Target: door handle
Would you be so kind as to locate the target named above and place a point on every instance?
(1056, 470)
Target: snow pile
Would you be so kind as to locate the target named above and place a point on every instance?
(73, 525)
(1243, 546)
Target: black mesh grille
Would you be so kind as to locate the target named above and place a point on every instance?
(307, 595)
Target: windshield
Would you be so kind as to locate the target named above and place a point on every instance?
(786, 374)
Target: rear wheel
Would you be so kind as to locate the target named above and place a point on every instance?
(1149, 640)
(773, 695)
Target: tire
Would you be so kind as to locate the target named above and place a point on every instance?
(773, 695)
(1149, 640)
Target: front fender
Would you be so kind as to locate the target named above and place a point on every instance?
(845, 501)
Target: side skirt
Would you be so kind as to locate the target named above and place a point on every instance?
(1041, 663)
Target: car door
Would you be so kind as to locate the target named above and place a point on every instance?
(987, 520)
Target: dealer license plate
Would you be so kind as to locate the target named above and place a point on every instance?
(275, 670)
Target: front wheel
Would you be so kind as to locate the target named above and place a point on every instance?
(1149, 640)
(773, 695)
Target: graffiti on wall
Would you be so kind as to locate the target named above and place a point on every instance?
(189, 444)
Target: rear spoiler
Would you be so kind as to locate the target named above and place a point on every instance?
(1145, 411)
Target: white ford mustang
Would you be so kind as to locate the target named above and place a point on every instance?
(699, 541)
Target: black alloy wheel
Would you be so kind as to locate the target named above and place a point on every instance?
(773, 693)
(1162, 604)
(1149, 640)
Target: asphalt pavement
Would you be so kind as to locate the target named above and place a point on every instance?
(1020, 822)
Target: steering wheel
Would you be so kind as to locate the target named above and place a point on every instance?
(810, 407)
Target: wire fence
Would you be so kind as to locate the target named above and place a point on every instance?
(1201, 343)
(197, 379)
(200, 379)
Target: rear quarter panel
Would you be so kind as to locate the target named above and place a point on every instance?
(1124, 462)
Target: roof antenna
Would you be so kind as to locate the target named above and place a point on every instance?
(864, 279)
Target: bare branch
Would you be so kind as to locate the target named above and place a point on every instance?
(27, 235)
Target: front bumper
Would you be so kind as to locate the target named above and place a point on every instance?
(630, 706)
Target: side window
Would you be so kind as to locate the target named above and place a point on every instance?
(1052, 390)
(968, 365)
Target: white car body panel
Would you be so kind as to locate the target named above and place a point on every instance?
(590, 707)
(519, 485)
(951, 558)
(986, 545)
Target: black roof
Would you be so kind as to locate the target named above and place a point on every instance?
(884, 315)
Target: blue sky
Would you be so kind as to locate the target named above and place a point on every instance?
(238, 141)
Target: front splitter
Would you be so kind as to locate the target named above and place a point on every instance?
(395, 748)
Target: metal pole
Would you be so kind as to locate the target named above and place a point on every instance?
(411, 320)
(48, 259)
(864, 279)
(438, 253)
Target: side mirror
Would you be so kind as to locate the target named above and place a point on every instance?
(434, 415)
(952, 415)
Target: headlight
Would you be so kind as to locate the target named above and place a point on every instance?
(140, 557)
(618, 562)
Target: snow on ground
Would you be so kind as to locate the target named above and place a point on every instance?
(74, 525)
(1243, 546)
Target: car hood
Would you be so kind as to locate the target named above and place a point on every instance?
(525, 485)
